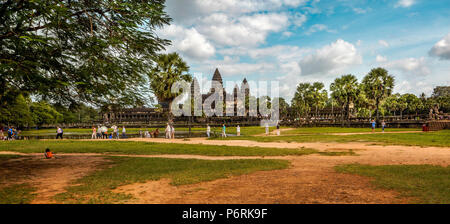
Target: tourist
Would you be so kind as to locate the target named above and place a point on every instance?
(99, 132)
(10, 133)
(373, 125)
(238, 131)
(48, 154)
(224, 131)
(124, 135)
(147, 134)
(383, 125)
(208, 130)
(278, 129)
(115, 131)
(2, 136)
(94, 133)
(267, 128)
(172, 129)
(59, 133)
(168, 131)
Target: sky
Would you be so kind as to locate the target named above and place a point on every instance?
(293, 41)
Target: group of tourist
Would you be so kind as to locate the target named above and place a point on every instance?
(374, 124)
(12, 133)
(102, 132)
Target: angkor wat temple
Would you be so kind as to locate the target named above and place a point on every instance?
(146, 115)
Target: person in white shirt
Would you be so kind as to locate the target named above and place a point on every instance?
(115, 131)
(168, 131)
(124, 132)
(208, 130)
(267, 129)
(238, 130)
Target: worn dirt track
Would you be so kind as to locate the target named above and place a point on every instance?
(310, 179)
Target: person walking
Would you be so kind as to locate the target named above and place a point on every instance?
(224, 131)
(10, 133)
(383, 125)
(238, 131)
(208, 130)
(94, 133)
(124, 132)
(373, 125)
(59, 133)
(168, 131)
(267, 128)
(99, 132)
(278, 129)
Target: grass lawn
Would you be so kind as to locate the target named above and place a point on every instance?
(427, 183)
(439, 138)
(96, 188)
(17, 194)
(325, 130)
(143, 148)
(250, 130)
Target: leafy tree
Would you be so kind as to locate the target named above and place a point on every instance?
(345, 91)
(413, 103)
(283, 107)
(319, 96)
(378, 85)
(18, 112)
(169, 69)
(391, 103)
(44, 113)
(71, 51)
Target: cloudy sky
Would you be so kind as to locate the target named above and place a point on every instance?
(296, 41)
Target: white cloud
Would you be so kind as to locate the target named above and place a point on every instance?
(331, 58)
(442, 48)
(405, 3)
(383, 43)
(299, 19)
(417, 66)
(188, 42)
(246, 30)
(319, 27)
(380, 58)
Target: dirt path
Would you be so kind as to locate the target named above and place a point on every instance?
(310, 179)
(50, 177)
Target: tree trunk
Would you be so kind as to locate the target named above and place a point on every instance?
(378, 114)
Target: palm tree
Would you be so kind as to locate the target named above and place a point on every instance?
(168, 69)
(345, 90)
(378, 85)
(319, 96)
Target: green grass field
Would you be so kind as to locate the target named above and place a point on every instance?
(96, 188)
(426, 183)
(250, 130)
(438, 139)
(143, 148)
(326, 130)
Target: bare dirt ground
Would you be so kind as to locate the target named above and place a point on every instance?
(310, 179)
(48, 176)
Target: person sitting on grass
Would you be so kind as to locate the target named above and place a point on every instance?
(48, 154)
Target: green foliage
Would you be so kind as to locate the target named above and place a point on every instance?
(44, 113)
(78, 51)
(169, 69)
(425, 183)
(345, 91)
(17, 112)
(378, 85)
(309, 96)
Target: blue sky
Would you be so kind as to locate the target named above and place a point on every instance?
(294, 41)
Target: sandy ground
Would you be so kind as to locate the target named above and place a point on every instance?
(49, 176)
(310, 179)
